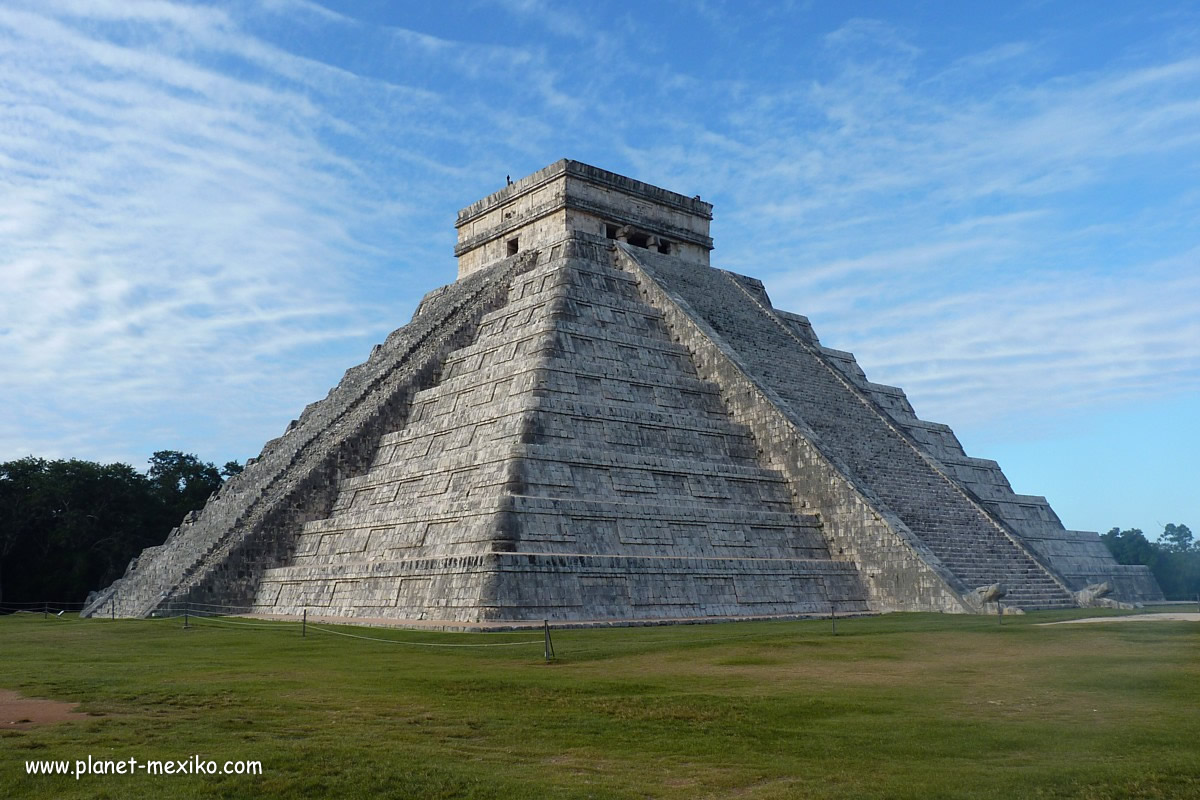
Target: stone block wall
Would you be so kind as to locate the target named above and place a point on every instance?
(1079, 557)
(899, 571)
(569, 197)
(218, 555)
(601, 428)
(823, 389)
(568, 465)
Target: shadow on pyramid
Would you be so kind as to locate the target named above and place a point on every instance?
(594, 426)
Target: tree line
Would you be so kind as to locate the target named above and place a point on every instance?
(68, 527)
(1174, 558)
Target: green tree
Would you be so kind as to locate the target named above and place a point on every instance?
(67, 526)
(1174, 559)
(1176, 538)
(70, 526)
(1178, 570)
(1130, 546)
(18, 505)
(182, 482)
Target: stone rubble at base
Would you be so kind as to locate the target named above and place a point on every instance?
(592, 424)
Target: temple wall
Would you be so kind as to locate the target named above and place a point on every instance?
(899, 572)
(593, 426)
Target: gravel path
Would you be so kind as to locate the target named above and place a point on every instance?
(1170, 616)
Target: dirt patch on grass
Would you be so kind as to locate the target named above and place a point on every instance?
(18, 712)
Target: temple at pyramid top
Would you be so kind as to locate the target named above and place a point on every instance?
(591, 425)
(569, 196)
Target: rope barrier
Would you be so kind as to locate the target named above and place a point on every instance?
(38, 610)
(420, 644)
(47, 610)
(191, 604)
(211, 614)
(250, 609)
(220, 621)
(680, 640)
(59, 617)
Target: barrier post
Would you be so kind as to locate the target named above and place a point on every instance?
(833, 617)
(112, 607)
(185, 616)
(999, 613)
(549, 644)
(45, 610)
(304, 624)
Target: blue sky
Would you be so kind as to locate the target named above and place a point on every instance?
(209, 211)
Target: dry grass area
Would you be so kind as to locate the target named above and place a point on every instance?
(906, 705)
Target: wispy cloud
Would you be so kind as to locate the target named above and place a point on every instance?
(171, 228)
(205, 227)
(209, 212)
(1015, 250)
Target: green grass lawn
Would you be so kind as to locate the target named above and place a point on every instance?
(905, 705)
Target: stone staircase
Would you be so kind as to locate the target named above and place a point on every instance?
(569, 451)
(857, 437)
(250, 523)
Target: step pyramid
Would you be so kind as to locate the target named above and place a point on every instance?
(592, 425)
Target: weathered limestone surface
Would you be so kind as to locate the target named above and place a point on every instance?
(570, 196)
(569, 465)
(592, 425)
(870, 432)
(1079, 556)
(218, 555)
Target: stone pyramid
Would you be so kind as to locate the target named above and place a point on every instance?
(593, 425)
